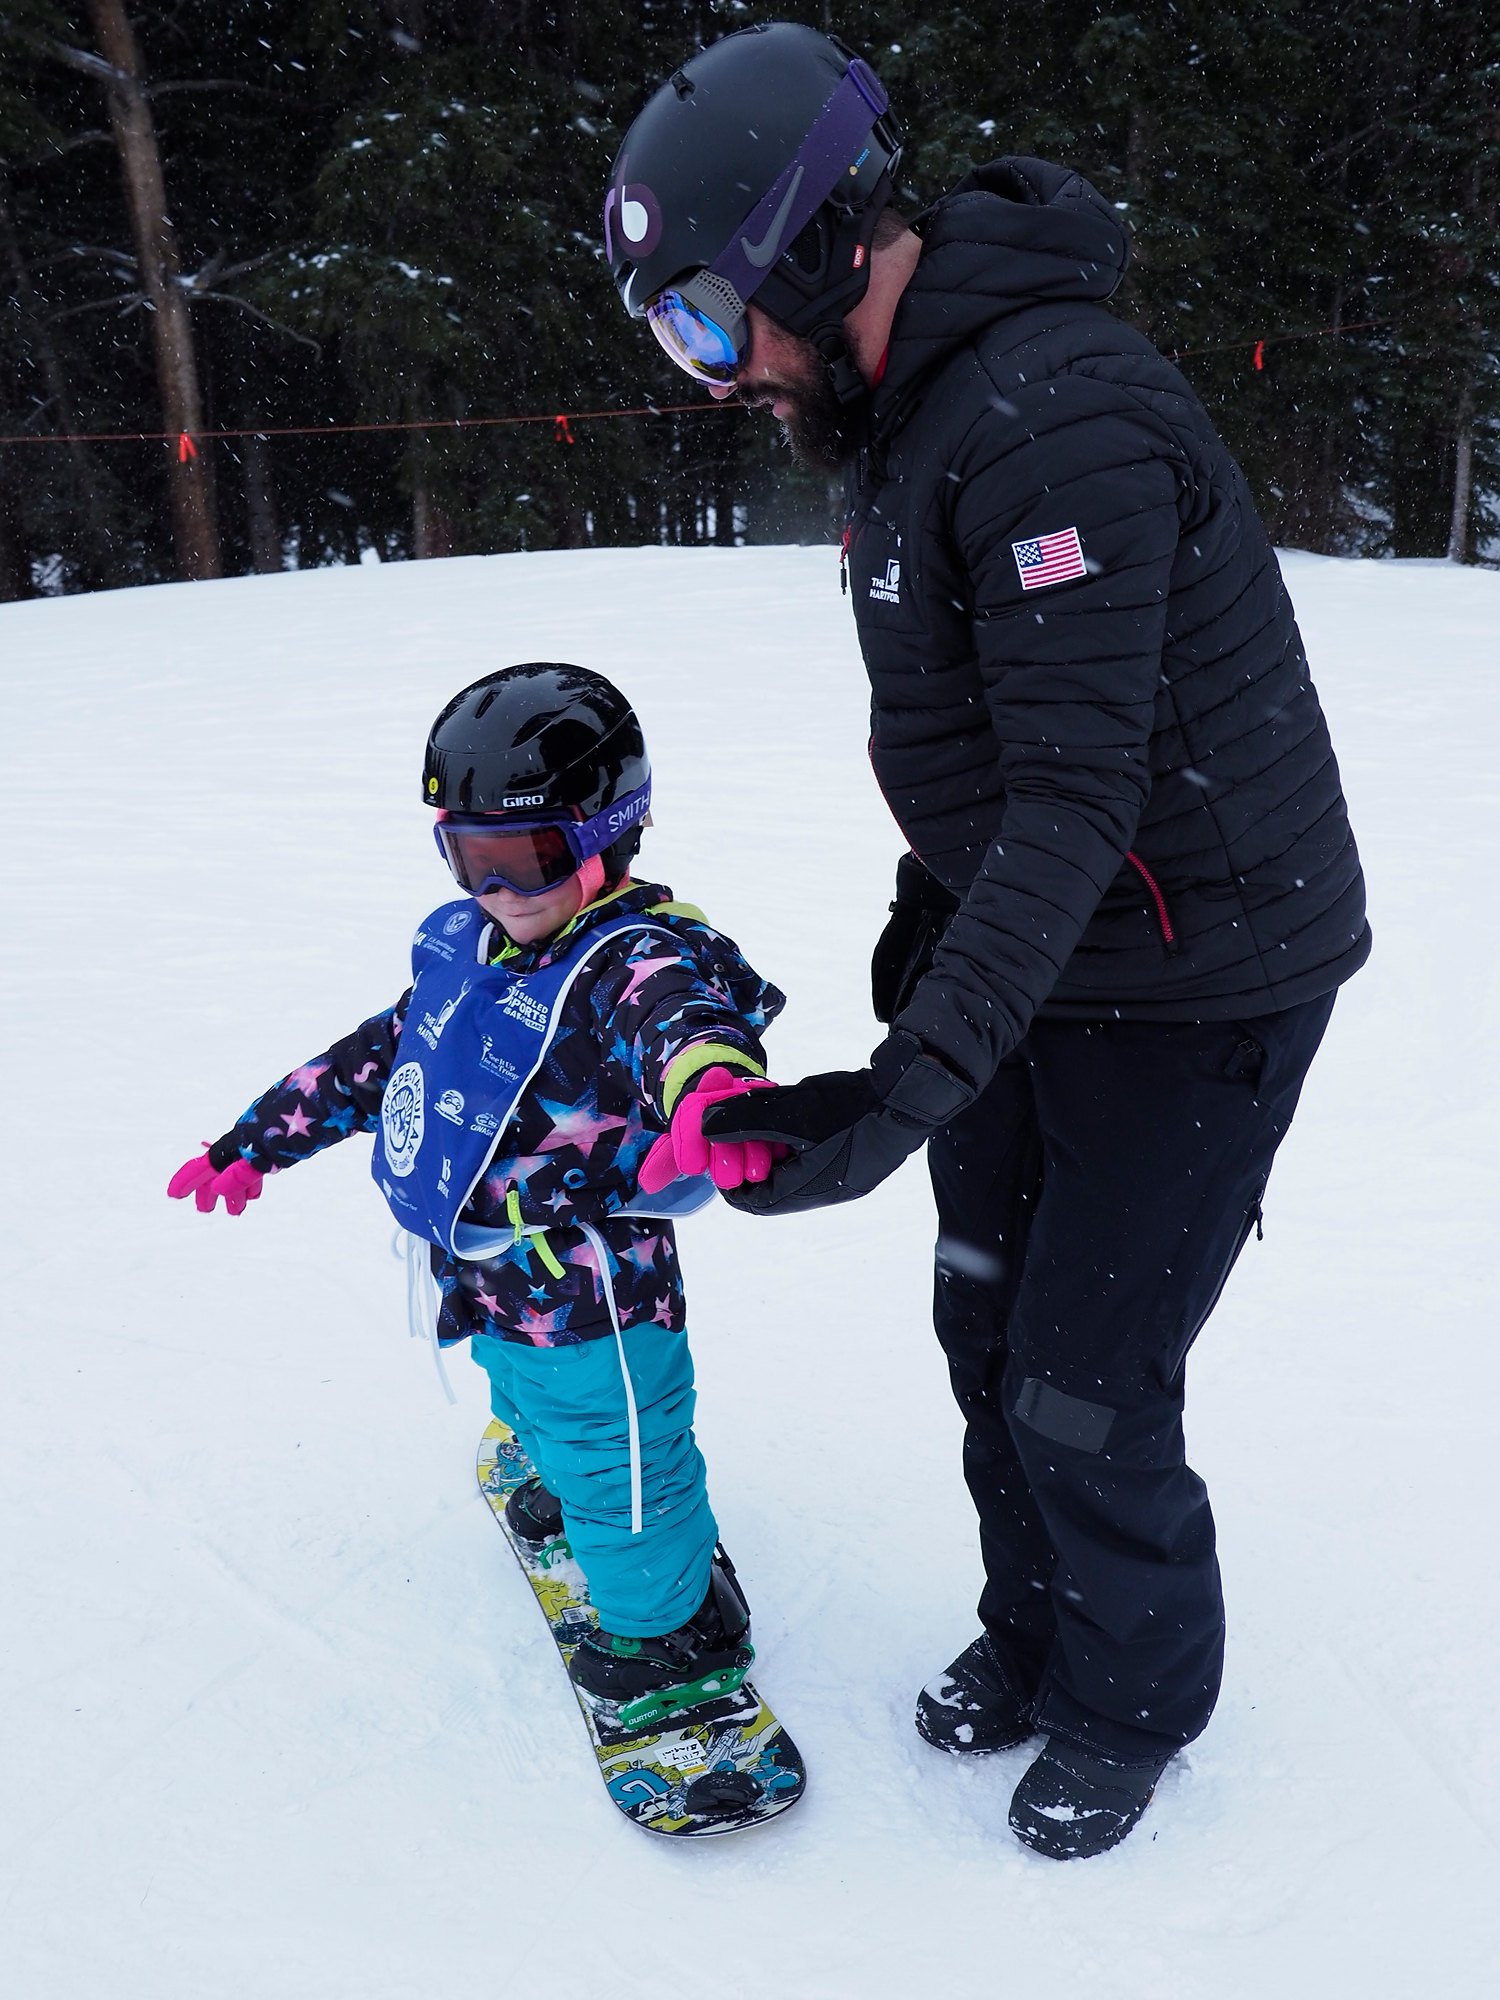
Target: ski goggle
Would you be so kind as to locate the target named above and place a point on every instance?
(692, 336)
(488, 851)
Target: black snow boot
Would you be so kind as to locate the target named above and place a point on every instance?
(974, 1707)
(650, 1679)
(532, 1513)
(1072, 1803)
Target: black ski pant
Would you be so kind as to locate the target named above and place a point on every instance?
(1091, 1204)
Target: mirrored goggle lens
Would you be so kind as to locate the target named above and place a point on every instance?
(528, 860)
(695, 342)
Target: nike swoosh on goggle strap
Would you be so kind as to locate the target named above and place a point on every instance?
(762, 253)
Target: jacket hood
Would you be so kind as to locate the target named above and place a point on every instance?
(1010, 235)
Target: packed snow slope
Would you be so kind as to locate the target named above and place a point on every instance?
(279, 1716)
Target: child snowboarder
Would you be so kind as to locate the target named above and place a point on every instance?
(537, 1097)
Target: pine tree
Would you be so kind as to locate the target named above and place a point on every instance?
(52, 498)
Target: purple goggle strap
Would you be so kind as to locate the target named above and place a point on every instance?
(592, 836)
(807, 180)
(584, 836)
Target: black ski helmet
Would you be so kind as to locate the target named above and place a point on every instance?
(537, 738)
(761, 164)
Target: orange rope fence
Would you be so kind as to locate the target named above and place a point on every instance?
(1274, 340)
(562, 421)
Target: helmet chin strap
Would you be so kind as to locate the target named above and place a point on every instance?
(832, 343)
(848, 242)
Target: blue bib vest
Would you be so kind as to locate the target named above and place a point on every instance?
(474, 1037)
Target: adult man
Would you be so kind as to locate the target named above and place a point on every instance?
(1137, 889)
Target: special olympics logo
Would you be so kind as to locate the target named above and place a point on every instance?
(401, 1119)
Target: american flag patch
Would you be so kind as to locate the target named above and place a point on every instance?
(1049, 559)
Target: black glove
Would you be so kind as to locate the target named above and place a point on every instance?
(847, 1130)
(922, 911)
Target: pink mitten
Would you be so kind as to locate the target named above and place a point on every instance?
(238, 1183)
(684, 1150)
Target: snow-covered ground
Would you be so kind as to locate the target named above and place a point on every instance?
(278, 1718)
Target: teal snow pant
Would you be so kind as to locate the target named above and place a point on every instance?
(608, 1424)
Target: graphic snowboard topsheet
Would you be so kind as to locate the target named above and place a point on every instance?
(724, 1764)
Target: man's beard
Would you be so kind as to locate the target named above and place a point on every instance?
(819, 429)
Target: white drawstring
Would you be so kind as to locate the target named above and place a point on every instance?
(423, 1300)
(607, 1285)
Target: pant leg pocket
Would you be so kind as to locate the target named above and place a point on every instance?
(1247, 1059)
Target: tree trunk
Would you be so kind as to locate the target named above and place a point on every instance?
(1138, 144)
(194, 529)
(15, 569)
(260, 508)
(1326, 513)
(431, 530)
(1483, 201)
(1463, 480)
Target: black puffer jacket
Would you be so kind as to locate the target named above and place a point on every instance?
(1126, 776)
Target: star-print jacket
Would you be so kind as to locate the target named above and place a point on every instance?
(645, 1015)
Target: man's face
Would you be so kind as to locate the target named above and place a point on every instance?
(784, 372)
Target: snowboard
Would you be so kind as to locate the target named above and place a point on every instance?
(723, 1764)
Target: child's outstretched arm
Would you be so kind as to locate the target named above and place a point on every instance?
(314, 1106)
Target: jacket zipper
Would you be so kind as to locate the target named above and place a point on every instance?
(1163, 914)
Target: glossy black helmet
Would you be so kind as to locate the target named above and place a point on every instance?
(758, 170)
(537, 738)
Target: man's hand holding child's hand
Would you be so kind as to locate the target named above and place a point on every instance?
(729, 1163)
